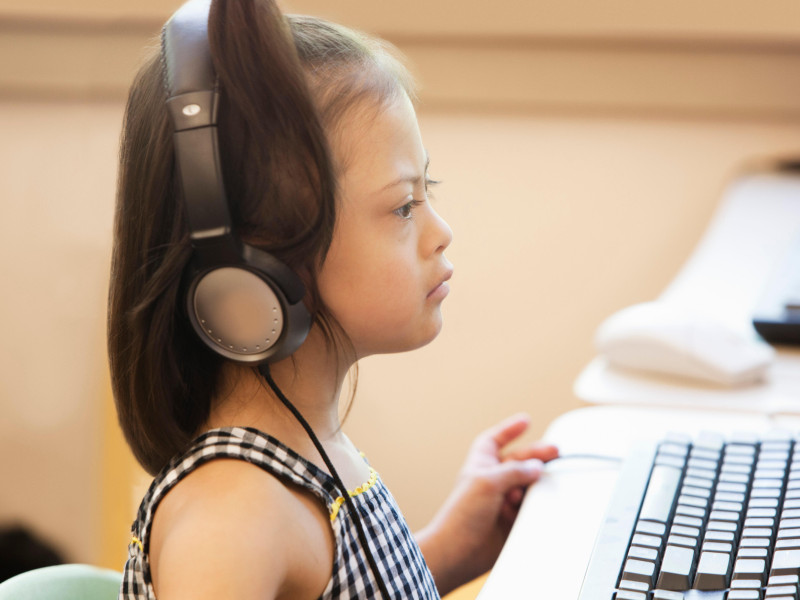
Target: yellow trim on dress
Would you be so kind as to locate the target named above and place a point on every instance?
(337, 504)
(137, 541)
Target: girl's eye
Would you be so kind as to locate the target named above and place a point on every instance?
(406, 211)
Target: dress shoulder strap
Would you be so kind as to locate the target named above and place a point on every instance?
(242, 443)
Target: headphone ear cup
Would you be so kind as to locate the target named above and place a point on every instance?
(242, 314)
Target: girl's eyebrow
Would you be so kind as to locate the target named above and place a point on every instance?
(413, 179)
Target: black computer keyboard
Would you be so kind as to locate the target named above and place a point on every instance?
(705, 518)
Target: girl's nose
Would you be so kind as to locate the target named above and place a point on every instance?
(441, 232)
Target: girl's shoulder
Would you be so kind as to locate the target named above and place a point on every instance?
(230, 529)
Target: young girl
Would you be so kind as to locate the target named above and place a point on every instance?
(324, 168)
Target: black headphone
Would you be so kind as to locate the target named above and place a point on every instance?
(245, 304)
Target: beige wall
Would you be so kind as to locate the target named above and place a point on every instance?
(582, 154)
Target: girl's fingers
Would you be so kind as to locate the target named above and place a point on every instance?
(540, 450)
(507, 430)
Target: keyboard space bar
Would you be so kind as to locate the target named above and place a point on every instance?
(548, 550)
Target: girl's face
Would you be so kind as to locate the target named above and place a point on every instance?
(385, 275)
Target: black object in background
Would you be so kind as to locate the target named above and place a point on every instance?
(22, 550)
(777, 315)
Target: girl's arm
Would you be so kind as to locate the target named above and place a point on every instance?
(465, 537)
(229, 530)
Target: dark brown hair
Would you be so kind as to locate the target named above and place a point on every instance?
(285, 83)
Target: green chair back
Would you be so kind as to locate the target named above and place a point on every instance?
(63, 582)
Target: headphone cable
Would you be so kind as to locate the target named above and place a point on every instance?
(362, 536)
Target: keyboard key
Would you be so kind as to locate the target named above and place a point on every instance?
(685, 531)
(750, 568)
(702, 463)
(670, 461)
(775, 474)
(763, 532)
(731, 526)
(760, 522)
(639, 570)
(743, 442)
(667, 595)
(634, 586)
(754, 543)
(783, 592)
(712, 571)
(725, 515)
(629, 595)
(700, 492)
(661, 491)
(690, 511)
(729, 506)
(676, 568)
(704, 595)
(746, 584)
(700, 482)
(761, 483)
(695, 501)
(701, 473)
(752, 553)
(783, 580)
(785, 562)
(790, 532)
(778, 465)
(733, 467)
(674, 449)
(736, 478)
(688, 521)
(680, 540)
(717, 547)
(744, 595)
(739, 488)
(738, 459)
(650, 554)
(719, 536)
(650, 528)
(705, 453)
(776, 440)
(786, 544)
(766, 503)
(647, 541)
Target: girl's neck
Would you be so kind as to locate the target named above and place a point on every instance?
(311, 379)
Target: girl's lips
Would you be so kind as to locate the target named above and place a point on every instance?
(443, 288)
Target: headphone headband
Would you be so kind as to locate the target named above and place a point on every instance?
(192, 103)
(187, 58)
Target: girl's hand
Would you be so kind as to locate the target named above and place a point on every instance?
(467, 534)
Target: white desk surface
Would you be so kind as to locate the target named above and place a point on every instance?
(754, 227)
(547, 552)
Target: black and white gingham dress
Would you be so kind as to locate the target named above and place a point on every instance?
(402, 566)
